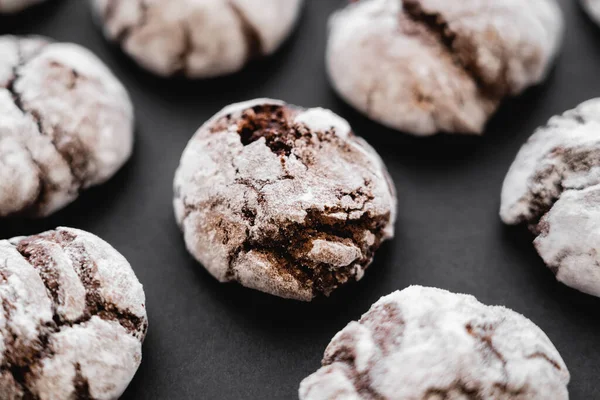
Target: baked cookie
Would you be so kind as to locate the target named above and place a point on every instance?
(73, 318)
(197, 38)
(425, 343)
(283, 199)
(429, 66)
(13, 6)
(592, 7)
(66, 123)
(554, 187)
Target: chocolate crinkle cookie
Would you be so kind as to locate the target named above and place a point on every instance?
(73, 318)
(66, 123)
(197, 39)
(592, 7)
(554, 187)
(429, 66)
(430, 344)
(12, 6)
(283, 199)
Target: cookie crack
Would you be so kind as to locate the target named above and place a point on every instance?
(275, 124)
(271, 123)
(544, 356)
(485, 338)
(81, 385)
(17, 99)
(96, 305)
(254, 44)
(436, 24)
(360, 380)
(542, 200)
(19, 359)
(45, 185)
(127, 31)
(287, 249)
(483, 334)
(186, 49)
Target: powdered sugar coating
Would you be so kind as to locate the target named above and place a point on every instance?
(74, 317)
(13, 6)
(67, 124)
(429, 66)
(282, 199)
(556, 174)
(568, 240)
(426, 343)
(592, 7)
(197, 38)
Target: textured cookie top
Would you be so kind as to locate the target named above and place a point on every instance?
(425, 66)
(74, 317)
(197, 38)
(282, 199)
(12, 6)
(568, 239)
(553, 186)
(563, 155)
(425, 343)
(66, 123)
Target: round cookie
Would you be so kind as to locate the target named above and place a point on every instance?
(283, 199)
(429, 66)
(592, 7)
(426, 343)
(13, 6)
(66, 123)
(73, 318)
(197, 38)
(554, 187)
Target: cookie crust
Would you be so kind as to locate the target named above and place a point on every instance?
(197, 39)
(283, 199)
(429, 66)
(552, 186)
(67, 124)
(426, 343)
(73, 317)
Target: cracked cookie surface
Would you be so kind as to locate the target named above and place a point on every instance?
(429, 66)
(430, 344)
(283, 199)
(553, 186)
(66, 123)
(13, 6)
(197, 38)
(73, 318)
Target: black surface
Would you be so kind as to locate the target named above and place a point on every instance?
(208, 340)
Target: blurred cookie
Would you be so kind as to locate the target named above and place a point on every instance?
(197, 39)
(66, 123)
(425, 343)
(13, 6)
(429, 66)
(283, 199)
(554, 187)
(592, 7)
(73, 318)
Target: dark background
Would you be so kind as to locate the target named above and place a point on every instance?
(209, 340)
